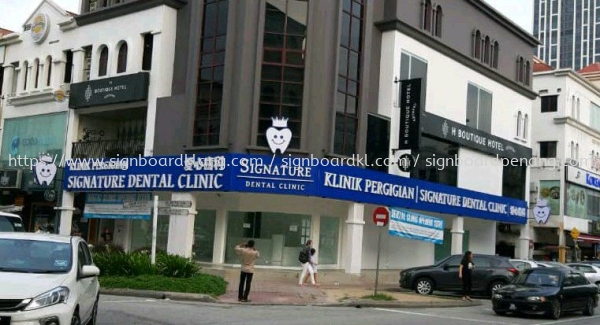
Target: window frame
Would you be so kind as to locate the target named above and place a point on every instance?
(478, 109)
(555, 148)
(552, 106)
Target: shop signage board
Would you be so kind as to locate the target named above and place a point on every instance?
(276, 175)
(110, 205)
(410, 114)
(407, 224)
(174, 204)
(172, 212)
(583, 177)
(127, 88)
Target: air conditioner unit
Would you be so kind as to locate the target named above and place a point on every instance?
(572, 162)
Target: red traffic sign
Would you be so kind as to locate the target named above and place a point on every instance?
(381, 216)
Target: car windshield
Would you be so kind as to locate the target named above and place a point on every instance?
(34, 256)
(538, 278)
(10, 224)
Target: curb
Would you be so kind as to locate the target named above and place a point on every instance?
(406, 304)
(158, 295)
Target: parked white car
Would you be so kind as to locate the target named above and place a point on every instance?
(10, 222)
(47, 279)
(592, 272)
(523, 265)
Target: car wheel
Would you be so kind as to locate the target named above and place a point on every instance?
(494, 286)
(94, 313)
(75, 320)
(589, 307)
(555, 309)
(424, 286)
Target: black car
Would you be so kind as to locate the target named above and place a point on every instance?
(490, 272)
(547, 291)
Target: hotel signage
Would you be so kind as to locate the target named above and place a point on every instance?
(276, 175)
(128, 88)
(410, 113)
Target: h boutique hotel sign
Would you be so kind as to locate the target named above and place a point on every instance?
(128, 88)
(410, 113)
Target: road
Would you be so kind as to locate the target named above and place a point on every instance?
(133, 311)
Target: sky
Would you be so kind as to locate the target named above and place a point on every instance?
(13, 13)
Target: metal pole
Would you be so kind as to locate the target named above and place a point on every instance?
(377, 270)
(154, 226)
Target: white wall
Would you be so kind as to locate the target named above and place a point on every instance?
(479, 172)
(482, 236)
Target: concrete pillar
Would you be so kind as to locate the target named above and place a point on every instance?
(353, 239)
(458, 224)
(220, 240)
(135, 48)
(57, 74)
(523, 247)
(181, 228)
(30, 76)
(315, 230)
(562, 244)
(21, 78)
(153, 92)
(78, 63)
(66, 213)
(9, 72)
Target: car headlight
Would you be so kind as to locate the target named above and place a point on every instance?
(539, 299)
(497, 296)
(52, 297)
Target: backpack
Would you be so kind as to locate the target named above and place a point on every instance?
(303, 257)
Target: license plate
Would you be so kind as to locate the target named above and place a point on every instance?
(4, 320)
(512, 307)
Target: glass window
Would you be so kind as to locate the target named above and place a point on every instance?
(278, 236)
(141, 234)
(549, 103)
(595, 116)
(548, 149)
(122, 58)
(513, 181)
(437, 162)
(378, 142)
(328, 240)
(479, 108)
(103, 63)
(204, 235)
(147, 54)
(207, 123)
(412, 67)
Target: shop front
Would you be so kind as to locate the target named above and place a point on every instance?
(281, 203)
(32, 176)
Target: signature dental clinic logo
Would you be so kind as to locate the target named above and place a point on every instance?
(279, 135)
(541, 212)
(44, 169)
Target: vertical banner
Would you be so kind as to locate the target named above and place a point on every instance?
(417, 226)
(410, 114)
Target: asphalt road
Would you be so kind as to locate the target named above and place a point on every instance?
(133, 311)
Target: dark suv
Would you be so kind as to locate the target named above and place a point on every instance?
(490, 272)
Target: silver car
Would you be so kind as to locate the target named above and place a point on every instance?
(592, 272)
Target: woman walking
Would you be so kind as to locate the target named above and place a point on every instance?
(465, 272)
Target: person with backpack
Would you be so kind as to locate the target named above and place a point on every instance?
(304, 259)
(313, 264)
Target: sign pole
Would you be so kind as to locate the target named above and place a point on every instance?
(377, 269)
(154, 226)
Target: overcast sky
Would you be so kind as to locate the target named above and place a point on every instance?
(13, 13)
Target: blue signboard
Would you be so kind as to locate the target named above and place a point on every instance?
(110, 205)
(286, 175)
(416, 226)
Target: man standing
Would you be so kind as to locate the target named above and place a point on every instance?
(248, 255)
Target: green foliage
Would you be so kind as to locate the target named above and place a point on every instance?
(379, 297)
(139, 263)
(199, 283)
(176, 266)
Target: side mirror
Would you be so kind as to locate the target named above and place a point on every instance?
(88, 271)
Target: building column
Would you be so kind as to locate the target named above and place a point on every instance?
(181, 228)
(458, 230)
(524, 240)
(57, 73)
(66, 213)
(30, 77)
(562, 244)
(220, 240)
(78, 63)
(21, 78)
(353, 239)
(9, 72)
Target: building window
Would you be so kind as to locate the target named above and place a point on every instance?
(431, 149)
(103, 62)
(68, 67)
(48, 71)
(348, 92)
(577, 151)
(548, 149)
(525, 127)
(1, 79)
(595, 116)
(578, 108)
(427, 15)
(527, 73)
(438, 21)
(378, 142)
(147, 56)
(122, 58)
(477, 45)
(513, 181)
(87, 62)
(36, 67)
(486, 50)
(412, 67)
(549, 103)
(496, 55)
(572, 150)
(519, 116)
(207, 121)
(479, 108)
(26, 74)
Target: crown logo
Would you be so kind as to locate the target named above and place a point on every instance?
(279, 122)
(47, 158)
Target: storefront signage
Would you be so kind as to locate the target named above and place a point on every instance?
(410, 114)
(128, 88)
(472, 138)
(40, 27)
(582, 177)
(417, 226)
(135, 206)
(268, 174)
(278, 135)
(10, 179)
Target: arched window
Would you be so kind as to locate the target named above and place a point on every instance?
(427, 16)
(438, 21)
(496, 54)
(519, 124)
(525, 126)
(25, 72)
(122, 58)
(521, 72)
(572, 149)
(527, 73)
(578, 108)
(48, 70)
(577, 151)
(36, 73)
(103, 62)
(573, 106)
(486, 48)
(477, 44)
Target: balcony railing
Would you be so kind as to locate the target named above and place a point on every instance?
(108, 148)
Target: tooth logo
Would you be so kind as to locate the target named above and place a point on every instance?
(278, 135)
(44, 170)
(541, 211)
